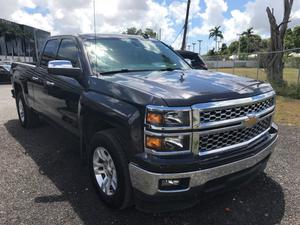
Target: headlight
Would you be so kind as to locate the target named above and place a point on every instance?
(164, 145)
(168, 118)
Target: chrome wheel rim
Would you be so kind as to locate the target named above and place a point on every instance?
(105, 171)
(21, 111)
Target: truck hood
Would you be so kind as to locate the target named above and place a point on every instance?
(181, 88)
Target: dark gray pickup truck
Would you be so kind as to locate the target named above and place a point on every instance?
(154, 132)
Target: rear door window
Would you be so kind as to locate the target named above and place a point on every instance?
(68, 51)
(50, 51)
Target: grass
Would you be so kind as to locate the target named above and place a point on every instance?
(287, 111)
(289, 74)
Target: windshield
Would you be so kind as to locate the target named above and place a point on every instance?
(131, 54)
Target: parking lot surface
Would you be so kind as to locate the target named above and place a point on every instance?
(42, 181)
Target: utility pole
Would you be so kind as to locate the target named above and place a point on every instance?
(200, 41)
(193, 46)
(186, 25)
(239, 49)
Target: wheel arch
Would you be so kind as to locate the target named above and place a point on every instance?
(98, 112)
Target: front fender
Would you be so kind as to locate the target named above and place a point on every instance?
(104, 110)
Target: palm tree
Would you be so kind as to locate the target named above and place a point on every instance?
(216, 33)
(248, 34)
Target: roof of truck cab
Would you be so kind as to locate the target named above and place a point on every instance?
(92, 36)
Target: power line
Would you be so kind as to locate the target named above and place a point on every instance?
(177, 35)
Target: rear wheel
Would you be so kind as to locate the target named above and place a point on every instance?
(27, 117)
(109, 169)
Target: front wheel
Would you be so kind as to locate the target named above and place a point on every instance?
(109, 169)
(27, 117)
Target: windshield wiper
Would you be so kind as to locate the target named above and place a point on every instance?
(169, 69)
(141, 70)
(121, 71)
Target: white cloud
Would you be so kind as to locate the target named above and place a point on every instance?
(35, 20)
(211, 17)
(114, 16)
(238, 22)
(255, 16)
(177, 10)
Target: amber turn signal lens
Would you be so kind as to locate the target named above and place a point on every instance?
(154, 118)
(153, 142)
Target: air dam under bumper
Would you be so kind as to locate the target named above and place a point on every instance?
(148, 182)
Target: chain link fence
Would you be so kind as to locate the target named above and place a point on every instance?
(254, 66)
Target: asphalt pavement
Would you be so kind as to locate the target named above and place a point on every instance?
(42, 181)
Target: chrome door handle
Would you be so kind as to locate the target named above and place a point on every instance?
(35, 78)
(49, 83)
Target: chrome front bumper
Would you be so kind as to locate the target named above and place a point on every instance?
(147, 182)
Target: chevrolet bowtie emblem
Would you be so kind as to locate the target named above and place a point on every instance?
(250, 121)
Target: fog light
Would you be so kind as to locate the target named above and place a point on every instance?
(174, 184)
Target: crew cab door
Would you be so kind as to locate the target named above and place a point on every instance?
(63, 93)
(40, 93)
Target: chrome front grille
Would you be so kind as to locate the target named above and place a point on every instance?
(235, 111)
(227, 125)
(213, 127)
(231, 138)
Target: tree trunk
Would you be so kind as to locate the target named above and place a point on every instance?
(274, 63)
(216, 44)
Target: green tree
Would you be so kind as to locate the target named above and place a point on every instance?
(150, 33)
(254, 43)
(224, 49)
(211, 52)
(135, 31)
(233, 47)
(265, 44)
(248, 33)
(216, 33)
(296, 34)
(289, 39)
(249, 41)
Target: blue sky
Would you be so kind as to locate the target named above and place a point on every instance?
(114, 16)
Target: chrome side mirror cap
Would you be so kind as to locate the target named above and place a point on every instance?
(63, 68)
(60, 64)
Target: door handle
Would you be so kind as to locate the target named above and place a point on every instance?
(35, 78)
(49, 83)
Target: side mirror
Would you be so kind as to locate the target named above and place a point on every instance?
(63, 68)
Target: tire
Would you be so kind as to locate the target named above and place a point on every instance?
(119, 191)
(27, 117)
